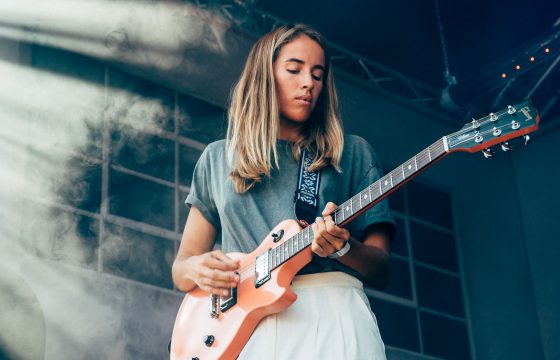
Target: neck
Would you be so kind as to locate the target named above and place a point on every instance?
(289, 130)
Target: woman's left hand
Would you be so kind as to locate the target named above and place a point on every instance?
(327, 237)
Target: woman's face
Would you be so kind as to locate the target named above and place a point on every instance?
(298, 72)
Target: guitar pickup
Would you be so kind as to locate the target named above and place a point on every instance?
(228, 302)
(262, 268)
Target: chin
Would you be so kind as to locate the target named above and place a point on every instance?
(297, 118)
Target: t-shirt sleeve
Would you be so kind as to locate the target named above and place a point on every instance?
(379, 215)
(201, 192)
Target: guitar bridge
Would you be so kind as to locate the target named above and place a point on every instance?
(262, 268)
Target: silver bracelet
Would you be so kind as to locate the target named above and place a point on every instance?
(341, 252)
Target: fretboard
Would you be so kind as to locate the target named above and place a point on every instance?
(363, 200)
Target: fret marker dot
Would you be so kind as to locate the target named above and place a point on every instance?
(365, 196)
(347, 208)
(409, 167)
(386, 182)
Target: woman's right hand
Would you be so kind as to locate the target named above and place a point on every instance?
(214, 272)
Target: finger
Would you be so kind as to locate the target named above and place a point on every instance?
(218, 284)
(319, 228)
(336, 231)
(229, 262)
(215, 291)
(215, 274)
(214, 263)
(318, 249)
(322, 228)
(320, 245)
(326, 245)
(329, 208)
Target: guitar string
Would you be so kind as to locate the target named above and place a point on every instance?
(248, 269)
(421, 157)
(483, 123)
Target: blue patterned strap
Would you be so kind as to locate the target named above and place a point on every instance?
(307, 193)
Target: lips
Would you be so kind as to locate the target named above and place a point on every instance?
(305, 98)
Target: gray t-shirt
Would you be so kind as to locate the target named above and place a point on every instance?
(244, 220)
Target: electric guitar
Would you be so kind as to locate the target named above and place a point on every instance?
(213, 327)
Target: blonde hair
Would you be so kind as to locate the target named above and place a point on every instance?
(254, 117)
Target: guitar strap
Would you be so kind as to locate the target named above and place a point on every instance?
(306, 199)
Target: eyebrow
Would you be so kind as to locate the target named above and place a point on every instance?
(302, 62)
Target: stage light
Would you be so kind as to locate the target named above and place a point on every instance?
(517, 67)
(532, 58)
(547, 50)
(504, 75)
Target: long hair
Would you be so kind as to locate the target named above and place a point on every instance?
(254, 116)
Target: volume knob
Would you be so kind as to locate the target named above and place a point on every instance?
(208, 340)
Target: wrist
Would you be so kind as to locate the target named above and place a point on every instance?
(341, 252)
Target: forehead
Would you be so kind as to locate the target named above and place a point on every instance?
(303, 48)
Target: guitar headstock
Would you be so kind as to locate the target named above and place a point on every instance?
(495, 128)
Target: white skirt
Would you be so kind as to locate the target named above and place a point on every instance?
(331, 319)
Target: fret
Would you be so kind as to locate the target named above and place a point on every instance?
(398, 176)
(348, 209)
(438, 148)
(385, 185)
(309, 236)
(415, 163)
(370, 197)
(306, 234)
(402, 169)
(408, 168)
(422, 160)
(277, 256)
(335, 217)
(360, 197)
(281, 249)
(378, 183)
(391, 178)
(286, 250)
(355, 208)
(364, 194)
(290, 247)
(272, 259)
(429, 155)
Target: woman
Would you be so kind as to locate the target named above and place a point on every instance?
(286, 101)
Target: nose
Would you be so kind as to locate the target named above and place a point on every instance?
(307, 81)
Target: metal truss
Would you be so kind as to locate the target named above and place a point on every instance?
(245, 15)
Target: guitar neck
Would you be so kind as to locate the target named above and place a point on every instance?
(374, 193)
(365, 199)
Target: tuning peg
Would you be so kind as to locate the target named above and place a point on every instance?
(475, 124)
(526, 139)
(488, 153)
(506, 146)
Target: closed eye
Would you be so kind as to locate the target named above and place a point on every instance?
(316, 77)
